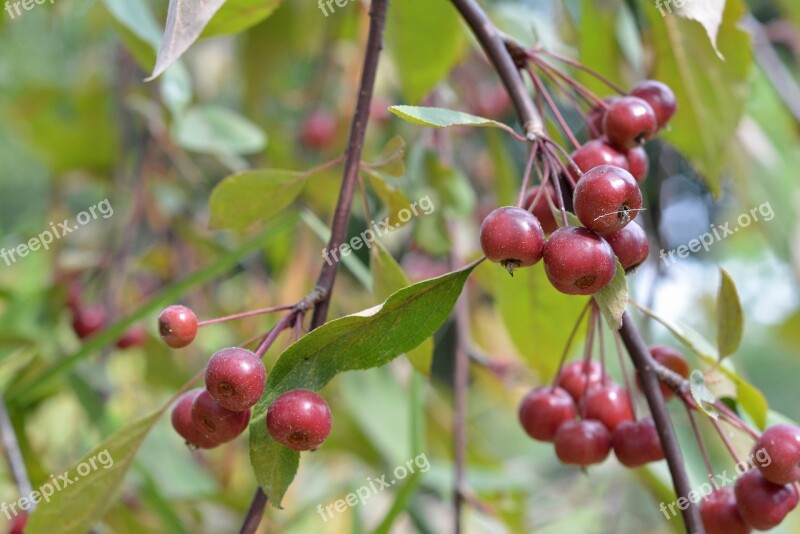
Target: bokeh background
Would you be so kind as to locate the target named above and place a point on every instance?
(79, 125)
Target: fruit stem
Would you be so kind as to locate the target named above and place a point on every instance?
(242, 315)
(526, 177)
(725, 440)
(587, 355)
(537, 81)
(625, 377)
(580, 66)
(645, 365)
(569, 343)
(700, 441)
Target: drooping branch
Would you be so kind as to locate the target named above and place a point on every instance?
(493, 44)
(496, 49)
(352, 162)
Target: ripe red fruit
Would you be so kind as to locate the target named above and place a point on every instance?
(235, 378)
(660, 97)
(636, 443)
(638, 163)
(512, 237)
(762, 504)
(136, 336)
(578, 261)
(582, 442)
(671, 359)
(183, 425)
(720, 514)
(606, 199)
(543, 410)
(318, 130)
(177, 325)
(575, 377)
(629, 122)
(597, 116)
(87, 321)
(214, 421)
(18, 524)
(299, 419)
(609, 404)
(541, 210)
(595, 153)
(782, 445)
(630, 245)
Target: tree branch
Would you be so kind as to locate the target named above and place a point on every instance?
(495, 47)
(355, 146)
(341, 217)
(645, 367)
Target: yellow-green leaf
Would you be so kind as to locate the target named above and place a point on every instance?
(730, 318)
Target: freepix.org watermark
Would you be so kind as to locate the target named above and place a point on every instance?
(665, 6)
(14, 10)
(55, 484)
(378, 229)
(706, 240)
(758, 458)
(57, 231)
(323, 4)
(374, 486)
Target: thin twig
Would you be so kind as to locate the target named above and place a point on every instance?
(13, 454)
(355, 146)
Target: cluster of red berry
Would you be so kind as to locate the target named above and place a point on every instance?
(606, 198)
(763, 497)
(607, 420)
(234, 382)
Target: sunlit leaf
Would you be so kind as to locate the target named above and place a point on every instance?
(370, 338)
(613, 299)
(703, 398)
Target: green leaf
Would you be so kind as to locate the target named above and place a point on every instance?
(442, 118)
(370, 338)
(613, 299)
(527, 304)
(425, 39)
(238, 15)
(709, 14)
(702, 396)
(730, 319)
(391, 161)
(216, 130)
(394, 199)
(137, 28)
(711, 93)
(753, 401)
(388, 277)
(80, 505)
(242, 199)
(185, 22)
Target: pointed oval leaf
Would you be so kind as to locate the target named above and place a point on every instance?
(185, 22)
(238, 15)
(730, 318)
(441, 117)
(244, 198)
(216, 130)
(370, 338)
(81, 504)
